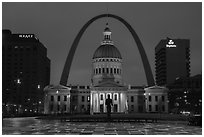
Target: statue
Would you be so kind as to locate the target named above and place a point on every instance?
(109, 104)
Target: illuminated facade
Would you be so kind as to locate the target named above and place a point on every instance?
(107, 77)
(57, 99)
(156, 99)
(107, 80)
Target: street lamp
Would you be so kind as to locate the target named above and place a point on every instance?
(18, 81)
(145, 102)
(38, 86)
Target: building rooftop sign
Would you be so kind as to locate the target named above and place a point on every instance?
(25, 36)
(170, 44)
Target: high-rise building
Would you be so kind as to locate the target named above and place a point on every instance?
(26, 71)
(172, 60)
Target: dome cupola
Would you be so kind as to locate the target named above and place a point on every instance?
(107, 49)
(107, 61)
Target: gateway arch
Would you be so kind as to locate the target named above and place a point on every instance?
(146, 65)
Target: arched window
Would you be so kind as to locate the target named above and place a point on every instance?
(101, 97)
(96, 70)
(117, 70)
(111, 70)
(107, 70)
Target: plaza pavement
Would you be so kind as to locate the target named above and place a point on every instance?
(32, 126)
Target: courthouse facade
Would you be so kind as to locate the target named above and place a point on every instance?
(106, 80)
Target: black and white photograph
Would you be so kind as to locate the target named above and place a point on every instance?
(101, 68)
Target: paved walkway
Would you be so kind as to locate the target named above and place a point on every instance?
(49, 127)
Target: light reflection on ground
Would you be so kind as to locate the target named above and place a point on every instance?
(31, 126)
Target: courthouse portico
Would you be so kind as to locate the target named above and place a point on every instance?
(106, 79)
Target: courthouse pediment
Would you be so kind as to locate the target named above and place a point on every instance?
(109, 84)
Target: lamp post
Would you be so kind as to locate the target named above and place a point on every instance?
(18, 82)
(38, 101)
(145, 102)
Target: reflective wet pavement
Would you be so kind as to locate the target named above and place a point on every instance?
(32, 126)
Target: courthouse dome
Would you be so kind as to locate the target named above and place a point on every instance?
(107, 51)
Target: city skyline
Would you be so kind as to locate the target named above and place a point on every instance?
(151, 25)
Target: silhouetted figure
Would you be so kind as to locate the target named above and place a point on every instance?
(109, 103)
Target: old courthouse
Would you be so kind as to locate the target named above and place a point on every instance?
(106, 80)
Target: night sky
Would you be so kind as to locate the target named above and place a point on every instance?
(57, 24)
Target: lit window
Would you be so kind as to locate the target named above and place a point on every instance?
(18, 81)
(38, 86)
